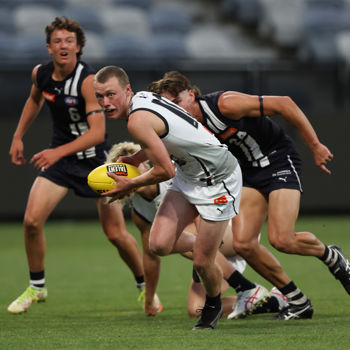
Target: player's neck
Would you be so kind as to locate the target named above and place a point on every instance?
(61, 71)
(128, 109)
(197, 113)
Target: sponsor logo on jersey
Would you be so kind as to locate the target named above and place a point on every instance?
(227, 134)
(71, 101)
(48, 96)
(282, 173)
(118, 169)
(220, 200)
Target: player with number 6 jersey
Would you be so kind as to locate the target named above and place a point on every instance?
(78, 146)
(68, 107)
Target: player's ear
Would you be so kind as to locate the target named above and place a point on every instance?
(78, 48)
(49, 49)
(128, 89)
(191, 94)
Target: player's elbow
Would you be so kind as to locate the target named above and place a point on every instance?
(286, 104)
(99, 137)
(164, 173)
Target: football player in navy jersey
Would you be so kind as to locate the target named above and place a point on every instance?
(78, 145)
(271, 168)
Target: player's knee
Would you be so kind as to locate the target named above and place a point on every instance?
(201, 265)
(159, 248)
(243, 248)
(115, 237)
(32, 225)
(282, 243)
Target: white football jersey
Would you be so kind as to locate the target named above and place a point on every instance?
(198, 154)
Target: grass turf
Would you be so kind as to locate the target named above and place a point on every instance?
(92, 297)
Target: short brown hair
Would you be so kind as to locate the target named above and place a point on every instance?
(174, 82)
(72, 26)
(108, 72)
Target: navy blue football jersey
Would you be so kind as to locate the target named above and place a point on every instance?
(67, 106)
(255, 142)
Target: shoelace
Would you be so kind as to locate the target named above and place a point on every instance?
(251, 299)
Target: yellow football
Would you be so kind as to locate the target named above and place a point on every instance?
(100, 182)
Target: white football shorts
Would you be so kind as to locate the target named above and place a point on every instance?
(215, 203)
(238, 262)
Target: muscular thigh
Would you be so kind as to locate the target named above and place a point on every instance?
(252, 214)
(111, 215)
(209, 237)
(283, 211)
(226, 247)
(43, 198)
(173, 215)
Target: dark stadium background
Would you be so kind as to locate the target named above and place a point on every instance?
(317, 78)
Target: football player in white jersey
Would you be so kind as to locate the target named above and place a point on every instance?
(207, 180)
(144, 204)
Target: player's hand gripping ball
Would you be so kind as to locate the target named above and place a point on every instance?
(100, 182)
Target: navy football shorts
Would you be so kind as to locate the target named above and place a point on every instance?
(283, 172)
(72, 173)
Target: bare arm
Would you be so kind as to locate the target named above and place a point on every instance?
(30, 111)
(235, 105)
(145, 127)
(135, 159)
(92, 137)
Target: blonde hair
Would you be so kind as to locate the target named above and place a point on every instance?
(121, 149)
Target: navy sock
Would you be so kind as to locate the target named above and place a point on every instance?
(293, 294)
(239, 283)
(329, 256)
(140, 282)
(213, 301)
(326, 253)
(37, 279)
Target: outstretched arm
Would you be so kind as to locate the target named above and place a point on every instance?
(235, 105)
(29, 113)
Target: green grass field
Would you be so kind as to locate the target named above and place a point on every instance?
(92, 298)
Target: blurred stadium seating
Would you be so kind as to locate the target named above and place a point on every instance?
(298, 48)
(300, 30)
